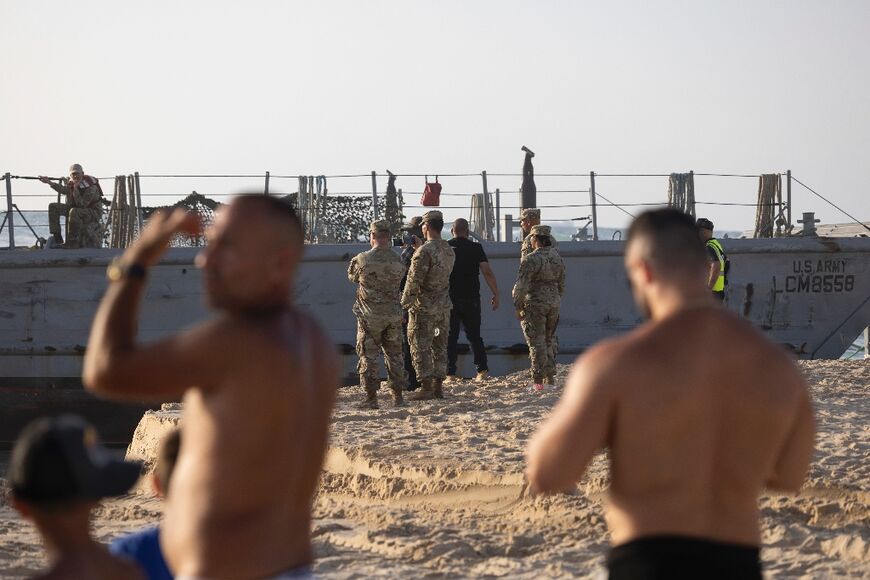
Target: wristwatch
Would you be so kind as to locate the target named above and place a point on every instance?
(118, 270)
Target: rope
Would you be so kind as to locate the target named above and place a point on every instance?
(769, 193)
(681, 192)
(826, 200)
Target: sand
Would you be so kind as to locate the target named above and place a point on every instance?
(434, 490)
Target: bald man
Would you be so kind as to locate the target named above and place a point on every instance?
(258, 382)
(699, 411)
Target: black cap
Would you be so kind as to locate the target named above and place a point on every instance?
(704, 224)
(58, 459)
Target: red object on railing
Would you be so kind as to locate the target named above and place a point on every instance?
(431, 194)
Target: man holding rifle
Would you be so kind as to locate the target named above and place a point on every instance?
(83, 210)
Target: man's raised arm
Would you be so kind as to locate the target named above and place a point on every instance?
(114, 364)
(579, 425)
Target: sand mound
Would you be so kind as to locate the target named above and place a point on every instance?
(436, 489)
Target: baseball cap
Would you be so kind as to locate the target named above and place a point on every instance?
(379, 226)
(530, 213)
(413, 226)
(540, 230)
(59, 459)
(433, 214)
(704, 224)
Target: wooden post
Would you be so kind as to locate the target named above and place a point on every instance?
(10, 210)
(486, 225)
(508, 227)
(592, 200)
(266, 187)
(139, 214)
(375, 196)
(497, 214)
(788, 198)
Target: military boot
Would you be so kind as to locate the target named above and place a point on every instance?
(438, 392)
(426, 392)
(371, 400)
(398, 399)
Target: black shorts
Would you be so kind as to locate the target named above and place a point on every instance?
(678, 557)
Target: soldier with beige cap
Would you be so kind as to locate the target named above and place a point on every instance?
(427, 299)
(529, 218)
(379, 273)
(537, 296)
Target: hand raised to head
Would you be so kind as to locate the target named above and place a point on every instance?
(155, 237)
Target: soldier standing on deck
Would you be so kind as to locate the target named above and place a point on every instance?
(537, 296)
(427, 299)
(83, 210)
(378, 272)
(529, 218)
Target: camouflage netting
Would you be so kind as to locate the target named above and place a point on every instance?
(343, 219)
(195, 202)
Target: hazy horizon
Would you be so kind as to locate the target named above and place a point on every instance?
(452, 87)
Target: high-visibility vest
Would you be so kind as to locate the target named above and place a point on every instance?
(713, 243)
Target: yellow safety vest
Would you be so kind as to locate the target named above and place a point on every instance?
(713, 243)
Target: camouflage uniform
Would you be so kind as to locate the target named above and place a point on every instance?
(83, 210)
(537, 295)
(427, 299)
(378, 272)
(533, 214)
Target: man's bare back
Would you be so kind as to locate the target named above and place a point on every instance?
(259, 384)
(240, 499)
(699, 411)
(696, 430)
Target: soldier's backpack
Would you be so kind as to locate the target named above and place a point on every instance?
(431, 194)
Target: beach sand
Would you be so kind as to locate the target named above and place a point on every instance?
(434, 489)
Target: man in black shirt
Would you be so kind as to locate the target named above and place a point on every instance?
(465, 295)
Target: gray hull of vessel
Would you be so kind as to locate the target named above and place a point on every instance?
(812, 295)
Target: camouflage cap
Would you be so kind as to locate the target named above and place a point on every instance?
(540, 231)
(433, 214)
(76, 168)
(530, 213)
(379, 226)
(413, 223)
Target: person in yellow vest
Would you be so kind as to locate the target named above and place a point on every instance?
(717, 274)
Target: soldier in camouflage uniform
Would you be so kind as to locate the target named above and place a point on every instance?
(529, 218)
(427, 299)
(83, 210)
(378, 272)
(537, 295)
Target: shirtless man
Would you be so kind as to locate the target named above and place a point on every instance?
(258, 382)
(699, 412)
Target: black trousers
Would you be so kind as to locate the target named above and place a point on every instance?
(677, 557)
(466, 313)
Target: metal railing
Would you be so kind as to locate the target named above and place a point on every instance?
(494, 220)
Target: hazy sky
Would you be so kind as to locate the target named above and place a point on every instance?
(328, 87)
